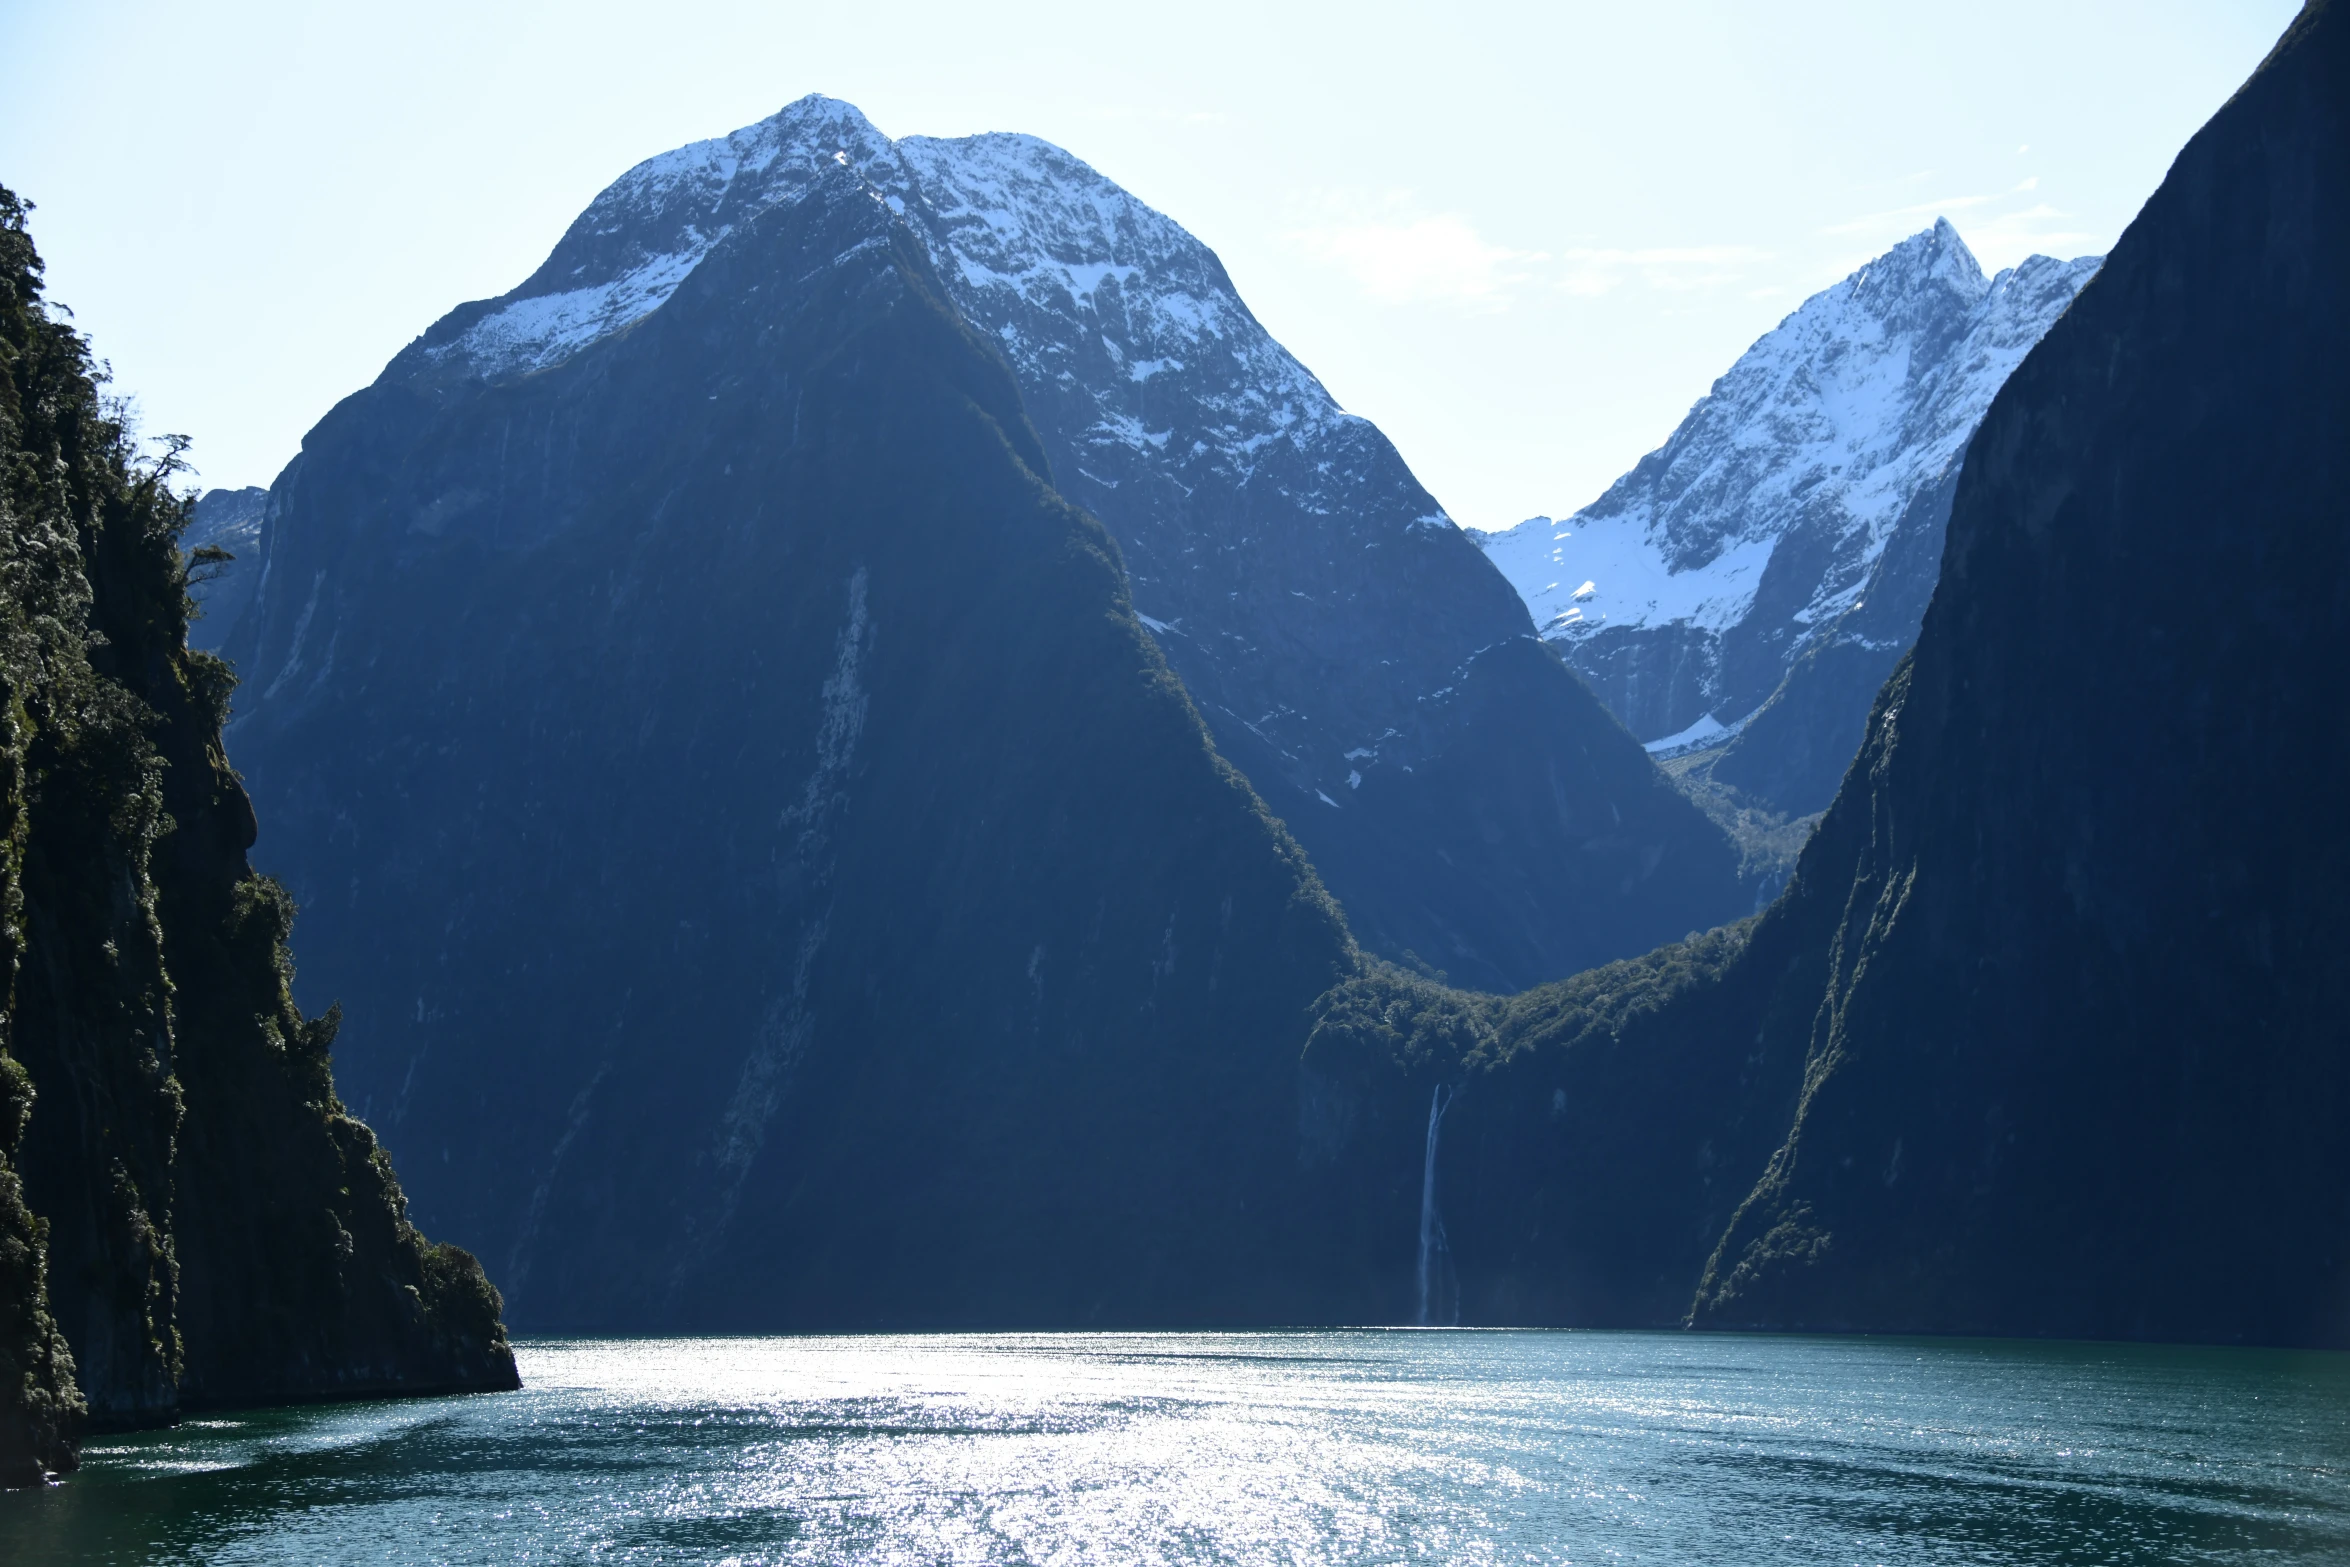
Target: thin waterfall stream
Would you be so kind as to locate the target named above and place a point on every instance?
(1435, 1252)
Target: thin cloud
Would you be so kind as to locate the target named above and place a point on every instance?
(2000, 234)
(1908, 220)
(2039, 228)
(1671, 269)
(1400, 256)
(1399, 253)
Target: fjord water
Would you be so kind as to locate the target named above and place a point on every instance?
(1292, 1448)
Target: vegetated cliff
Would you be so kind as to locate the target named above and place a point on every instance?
(187, 1215)
(785, 885)
(2045, 1036)
(1556, 1157)
(1352, 651)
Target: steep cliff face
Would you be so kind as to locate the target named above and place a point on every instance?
(2079, 1065)
(1352, 651)
(1794, 750)
(186, 1214)
(782, 883)
(2045, 1036)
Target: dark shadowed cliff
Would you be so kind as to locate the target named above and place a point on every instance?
(2080, 1065)
(187, 1215)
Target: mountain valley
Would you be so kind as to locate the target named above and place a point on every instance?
(866, 753)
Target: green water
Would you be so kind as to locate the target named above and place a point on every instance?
(1288, 1448)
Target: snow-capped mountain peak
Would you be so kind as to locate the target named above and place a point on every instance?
(1687, 589)
(644, 234)
(1019, 226)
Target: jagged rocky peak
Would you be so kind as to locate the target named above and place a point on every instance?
(1688, 590)
(1353, 652)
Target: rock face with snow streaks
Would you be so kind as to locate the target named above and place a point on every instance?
(1350, 648)
(1789, 532)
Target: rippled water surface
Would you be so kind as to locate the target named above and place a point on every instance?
(1284, 1448)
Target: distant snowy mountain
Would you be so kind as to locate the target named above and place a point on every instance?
(1689, 591)
(1353, 651)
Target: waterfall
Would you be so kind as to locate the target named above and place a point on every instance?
(1435, 1254)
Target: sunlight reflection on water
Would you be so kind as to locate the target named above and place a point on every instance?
(1275, 1448)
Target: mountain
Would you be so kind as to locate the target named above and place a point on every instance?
(1760, 573)
(188, 1216)
(1351, 650)
(2045, 1036)
(228, 521)
(773, 878)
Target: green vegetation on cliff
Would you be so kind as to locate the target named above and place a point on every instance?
(187, 1214)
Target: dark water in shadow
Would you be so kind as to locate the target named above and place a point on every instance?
(1288, 1448)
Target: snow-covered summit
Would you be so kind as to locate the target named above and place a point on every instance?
(1688, 589)
(638, 240)
(1027, 237)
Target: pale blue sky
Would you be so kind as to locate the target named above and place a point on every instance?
(1523, 238)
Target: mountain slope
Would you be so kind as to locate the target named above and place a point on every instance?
(1349, 647)
(773, 878)
(1786, 534)
(188, 1217)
